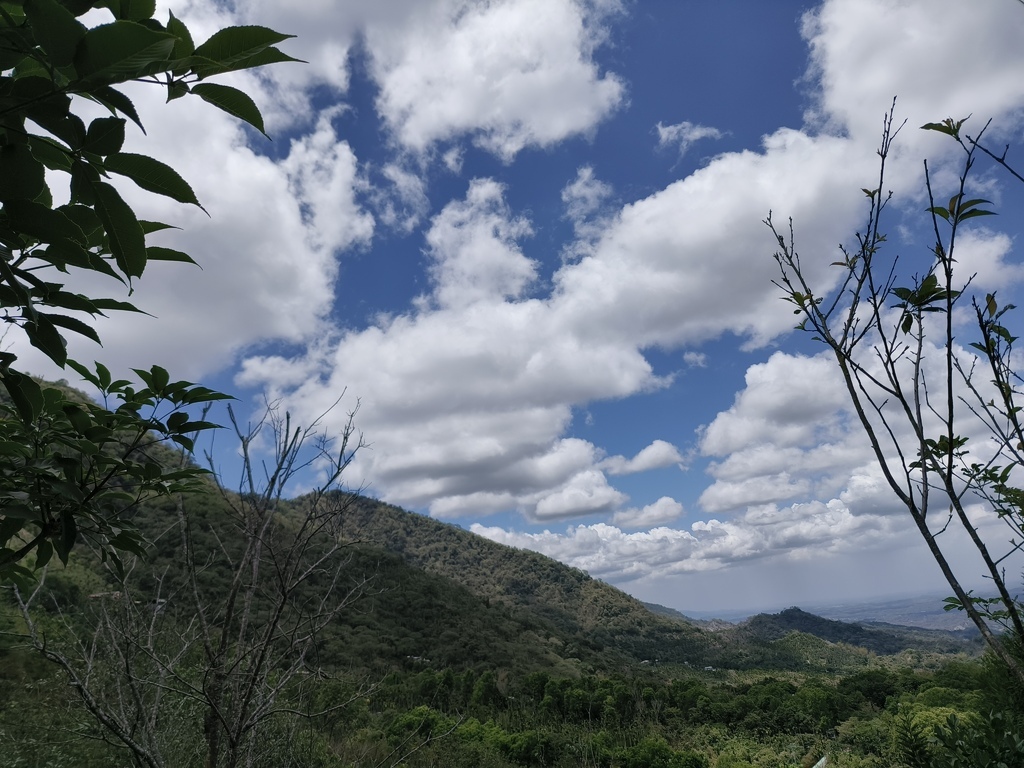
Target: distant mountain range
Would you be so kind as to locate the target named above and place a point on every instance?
(879, 637)
(883, 639)
(924, 611)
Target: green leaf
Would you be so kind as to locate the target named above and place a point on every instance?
(199, 426)
(122, 51)
(152, 175)
(25, 393)
(159, 379)
(102, 378)
(184, 46)
(940, 127)
(120, 306)
(20, 512)
(127, 242)
(56, 29)
(135, 10)
(68, 536)
(105, 135)
(204, 68)
(903, 293)
(42, 223)
(146, 376)
(975, 202)
(44, 551)
(176, 420)
(974, 214)
(68, 128)
(232, 101)
(38, 98)
(154, 226)
(72, 324)
(157, 253)
(83, 176)
(176, 90)
(204, 395)
(84, 372)
(9, 526)
(990, 304)
(43, 335)
(50, 153)
(21, 174)
(130, 541)
(85, 219)
(77, 7)
(44, 198)
(76, 302)
(78, 417)
(65, 488)
(234, 47)
(30, 68)
(947, 126)
(111, 554)
(67, 253)
(8, 448)
(10, 55)
(116, 102)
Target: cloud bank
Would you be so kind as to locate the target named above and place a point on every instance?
(469, 395)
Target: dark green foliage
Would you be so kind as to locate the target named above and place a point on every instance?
(411, 620)
(991, 743)
(910, 741)
(72, 469)
(656, 753)
(69, 469)
(872, 686)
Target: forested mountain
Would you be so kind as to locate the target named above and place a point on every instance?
(581, 616)
(885, 640)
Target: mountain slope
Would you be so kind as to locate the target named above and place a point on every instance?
(881, 639)
(584, 613)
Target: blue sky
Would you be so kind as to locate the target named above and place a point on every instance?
(526, 235)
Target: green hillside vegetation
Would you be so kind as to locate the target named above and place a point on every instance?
(594, 621)
(884, 641)
(402, 616)
(584, 616)
(458, 651)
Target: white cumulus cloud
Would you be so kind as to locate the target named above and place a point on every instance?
(509, 74)
(655, 456)
(661, 512)
(684, 135)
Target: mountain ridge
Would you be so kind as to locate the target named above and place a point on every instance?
(594, 614)
(597, 616)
